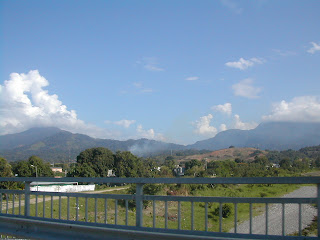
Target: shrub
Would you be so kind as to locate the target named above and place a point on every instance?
(227, 210)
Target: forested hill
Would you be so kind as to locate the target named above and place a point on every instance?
(62, 145)
(53, 144)
(270, 135)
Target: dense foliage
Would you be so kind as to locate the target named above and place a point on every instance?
(96, 162)
(32, 167)
(5, 171)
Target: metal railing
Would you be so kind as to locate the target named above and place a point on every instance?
(125, 216)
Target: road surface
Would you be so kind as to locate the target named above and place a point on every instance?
(291, 215)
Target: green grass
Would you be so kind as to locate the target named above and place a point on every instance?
(199, 208)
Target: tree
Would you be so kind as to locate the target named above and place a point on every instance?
(169, 162)
(317, 162)
(5, 168)
(192, 163)
(23, 169)
(196, 171)
(300, 165)
(166, 172)
(262, 161)
(128, 165)
(150, 167)
(5, 171)
(285, 163)
(41, 169)
(99, 159)
(82, 170)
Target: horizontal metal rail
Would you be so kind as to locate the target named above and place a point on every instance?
(233, 180)
(231, 199)
(122, 213)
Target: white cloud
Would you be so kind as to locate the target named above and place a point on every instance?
(300, 109)
(124, 122)
(151, 64)
(152, 67)
(223, 127)
(137, 84)
(315, 48)
(243, 64)
(284, 53)
(146, 90)
(203, 127)
(232, 6)
(145, 133)
(149, 134)
(246, 89)
(24, 103)
(238, 124)
(225, 108)
(141, 89)
(192, 78)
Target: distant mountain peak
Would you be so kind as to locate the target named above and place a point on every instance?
(267, 135)
(29, 136)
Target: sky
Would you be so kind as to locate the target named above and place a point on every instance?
(176, 71)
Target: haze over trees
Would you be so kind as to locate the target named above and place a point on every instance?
(55, 145)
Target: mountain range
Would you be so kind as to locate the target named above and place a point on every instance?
(53, 144)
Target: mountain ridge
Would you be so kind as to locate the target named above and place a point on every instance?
(270, 135)
(53, 144)
(63, 145)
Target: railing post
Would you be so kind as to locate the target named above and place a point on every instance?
(139, 205)
(27, 199)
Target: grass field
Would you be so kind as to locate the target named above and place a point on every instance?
(116, 212)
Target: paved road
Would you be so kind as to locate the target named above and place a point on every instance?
(291, 215)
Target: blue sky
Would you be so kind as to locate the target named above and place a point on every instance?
(177, 71)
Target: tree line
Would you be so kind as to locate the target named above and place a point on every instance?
(96, 162)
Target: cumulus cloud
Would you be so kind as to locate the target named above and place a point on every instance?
(24, 103)
(246, 89)
(148, 133)
(315, 47)
(300, 109)
(124, 122)
(243, 64)
(238, 124)
(192, 78)
(203, 127)
(223, 127)
(225, 108)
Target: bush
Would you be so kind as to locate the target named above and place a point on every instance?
(227, 210)
(148, 189)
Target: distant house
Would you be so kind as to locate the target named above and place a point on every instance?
(156, 169)
(56, 169)
(179, 171)
(111, 173)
